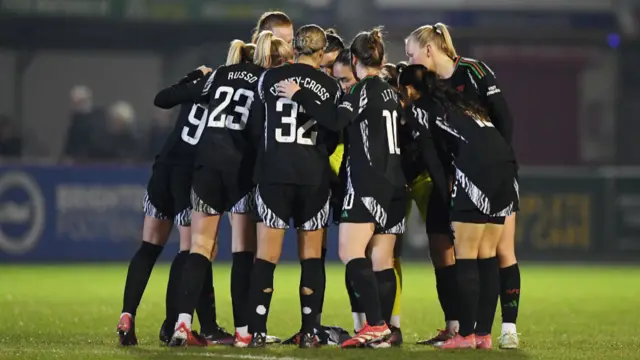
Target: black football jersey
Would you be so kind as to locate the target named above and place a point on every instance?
(481, 156)
(478, 83)
(229, 140)
(298, 132)
(374, 164)
(179, 148)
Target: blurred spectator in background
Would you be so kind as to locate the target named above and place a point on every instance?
(118, 142)
(86, 123)
(10, 139)
(161, 126)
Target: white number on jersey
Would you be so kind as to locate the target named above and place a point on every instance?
(347, 202)
(219, 119)
(392, 131)
(197, 117)
(479, 121)
(295, 134)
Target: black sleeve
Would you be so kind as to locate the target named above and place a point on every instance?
(332, 139)
(495, 103)
(325, 112)
(256, 122)
(412, 164)
(418, 120)
(183, 92)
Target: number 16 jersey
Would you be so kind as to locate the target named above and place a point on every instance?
(295, 146)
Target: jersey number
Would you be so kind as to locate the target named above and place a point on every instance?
(219, 119)
(303, 135)
(347, 202)
(197, 117)
(481, 122)
(392, 131)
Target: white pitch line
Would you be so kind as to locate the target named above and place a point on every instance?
(71, 351)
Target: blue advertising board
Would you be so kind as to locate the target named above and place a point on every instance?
(65, 214)
(94, 214)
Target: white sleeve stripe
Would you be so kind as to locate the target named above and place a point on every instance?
(260, 91)
(207, 86)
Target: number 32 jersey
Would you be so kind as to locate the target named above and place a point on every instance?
(295, 146)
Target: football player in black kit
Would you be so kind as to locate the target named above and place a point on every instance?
(335, 44)
(374, 201)
(166, 202)
(374, 204)
(329, 335)
(292, 174)
(484, 192)
(432, 46)
(223, 168)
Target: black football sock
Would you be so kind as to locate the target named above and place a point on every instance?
(193, 274)
(510, 293)
(240, 279)
(173, 288)
(323, 286)
(387, 286)
(447, 289)
(365, 285)
(489, 270)
(206, 308)
(353, 297)
(310, 294)
(469, 290)
(260, 295)
(138, 275)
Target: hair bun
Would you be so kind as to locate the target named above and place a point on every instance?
(331, 31)
(376, 34)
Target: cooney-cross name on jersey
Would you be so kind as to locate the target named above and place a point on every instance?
(307, 83)
(249, 77)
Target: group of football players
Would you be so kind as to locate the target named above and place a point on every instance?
(299, 126)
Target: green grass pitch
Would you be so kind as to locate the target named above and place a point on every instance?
(70, 312)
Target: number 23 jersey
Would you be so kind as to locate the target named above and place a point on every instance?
(228, 142)
(294, 147)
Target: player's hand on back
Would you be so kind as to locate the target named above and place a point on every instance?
(205, 70)
(287, 88)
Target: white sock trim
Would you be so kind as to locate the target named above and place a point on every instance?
(509, 328)
(395, 320)
(453, 326)
(125, 313)
(184, 318)
(358, 321)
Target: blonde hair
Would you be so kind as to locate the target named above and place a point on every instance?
(269, 21)
(240, 52)
(438, 34)
(309, 40)
(271, 51)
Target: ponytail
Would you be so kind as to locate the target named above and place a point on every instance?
(271, 51)
(239, 52)
(447, 43)
(262, 56)
(437, 34)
